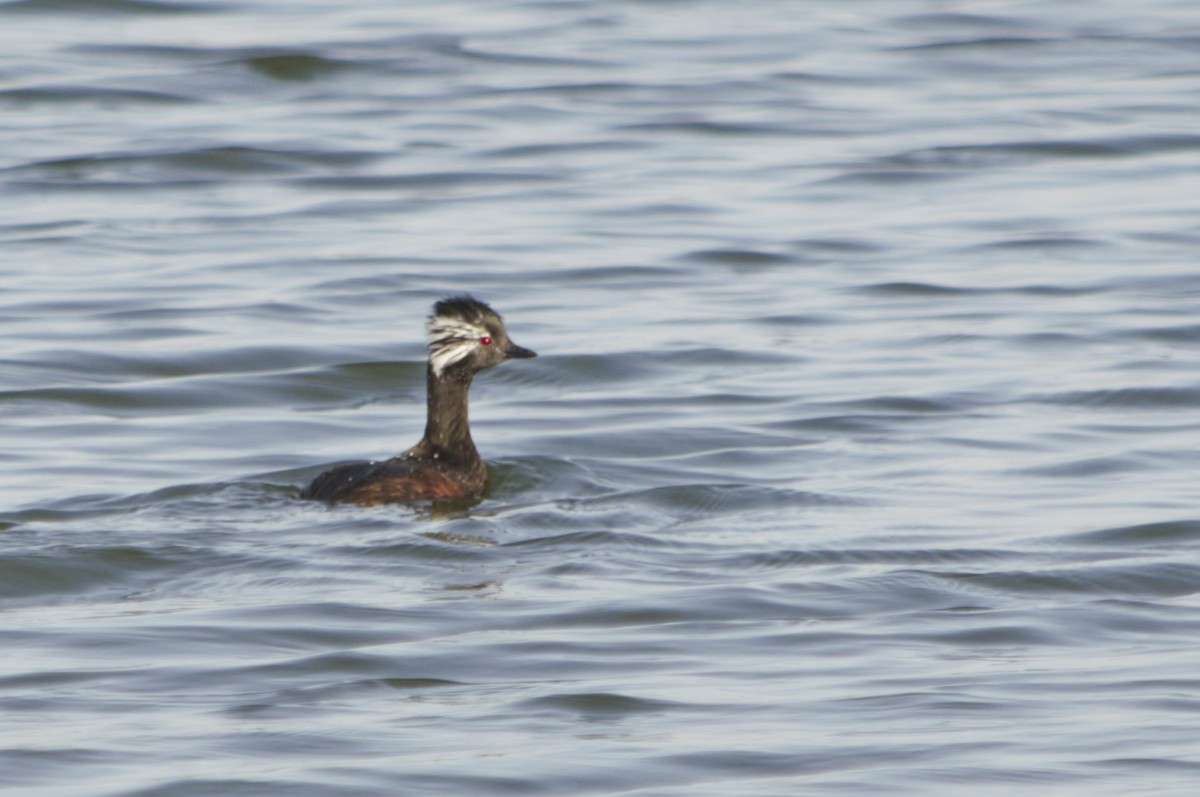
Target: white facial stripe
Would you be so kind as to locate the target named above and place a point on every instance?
(444, 356)
(451, 340)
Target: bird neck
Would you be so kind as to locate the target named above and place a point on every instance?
(447, 429)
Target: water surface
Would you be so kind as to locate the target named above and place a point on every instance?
(859, 457)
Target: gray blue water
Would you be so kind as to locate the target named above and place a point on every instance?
(861, 456)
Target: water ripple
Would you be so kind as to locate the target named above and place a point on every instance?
(859, 443)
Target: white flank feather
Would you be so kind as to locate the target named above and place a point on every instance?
(451, 340)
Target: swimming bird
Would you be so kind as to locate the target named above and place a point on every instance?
(465, 336)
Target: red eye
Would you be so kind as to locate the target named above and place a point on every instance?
(485, 340)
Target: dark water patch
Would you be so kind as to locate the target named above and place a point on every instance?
(345, 665)
(390, 281)
(551, 516)
(701, 127)
(1170, 238)
(268, 310)
(719, 356)
(58, 230)
(153, 306)
(687, 604)
(740, 258)
(31, 767)
(186, 394)
(841, 591)
(840, 246)
(1047, 242)
(565, 148)
(114, 570)
(1166, 534)
(1009, 153)
(451, 546)
(159, 333)
(796, 320)
(596, 705)
(953, 19)
(103, 366)
(769, 561)
(79, 508)
(834, 424)
(289, 703)
(916, 701)
(1000, 636)
(1003, 43)
(713, 500)
(563, 518)
(326, 615)
(190, 641)
(591, 90)
(468, 52)
(456, 782)
(728, 764)
(99, 186)
(208, 786)
(429, 181)
(1040, 341)
(409, 684)
(213, 163)
(598, 369)
(296, 66)
(445, 655)
(185, 499)
(1089, 467)
(49, 681)
(237, 160)
(590, 540)
(1150, 767)
(1142, 580)
(81, 307)
(557, 475)
(262, 383)
(914, 289)
(952, 339)
(986, 444)
(109, 7)
(645, 442)
(657, 210)
(158, 510)
(914, 405)
(1129, 619)
(1146, 398)
(995, 155)
(919, 290)
(884, 177)
(761, 458)
(1186, 333)
(244, 630)
(176, 53)
(1049, 290)
(746, 401)
(216, 71)
(821, 79)
(359, 381)
(644, 276)
(573, 570)
(90, 95)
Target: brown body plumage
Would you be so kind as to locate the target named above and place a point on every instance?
(465, 337)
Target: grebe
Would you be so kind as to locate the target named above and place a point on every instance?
(465, 336)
